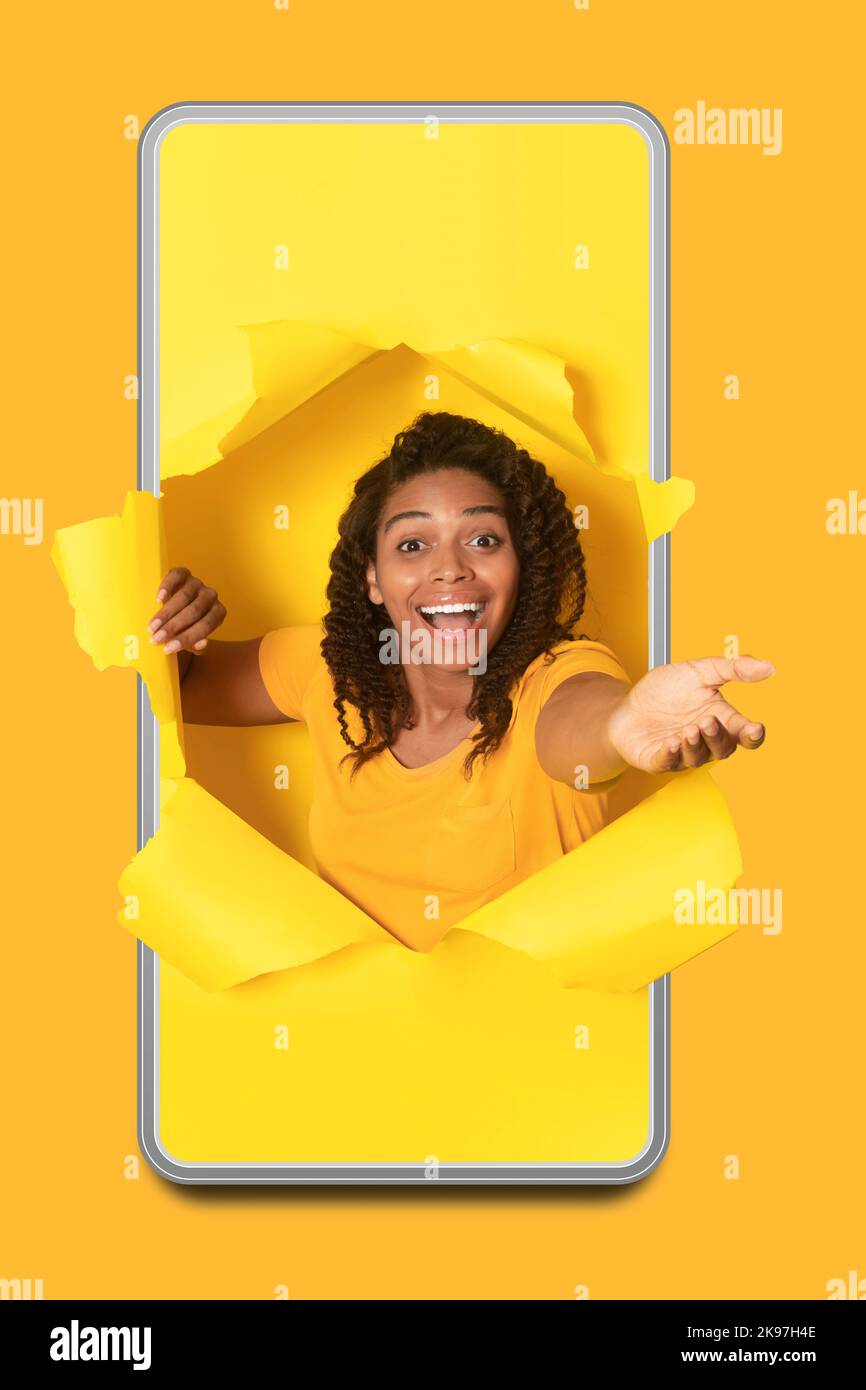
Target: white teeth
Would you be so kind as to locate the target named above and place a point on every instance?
(454, 608)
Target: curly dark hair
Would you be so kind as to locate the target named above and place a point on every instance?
(551, 592)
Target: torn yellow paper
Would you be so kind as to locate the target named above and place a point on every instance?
(288, 363)
(532, 385)
(111, 569)
(197, 448)
(525, 380)
(662, 504)
(223, 904)
(603, 916)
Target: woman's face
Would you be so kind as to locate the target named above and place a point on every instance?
(443, 541)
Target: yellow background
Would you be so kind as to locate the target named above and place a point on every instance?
(766, 1032)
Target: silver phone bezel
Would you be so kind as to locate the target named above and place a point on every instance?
(658, 1128)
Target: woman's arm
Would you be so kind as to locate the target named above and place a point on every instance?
(571, 731)
(221, 682)
(673, 718)
(224, 686)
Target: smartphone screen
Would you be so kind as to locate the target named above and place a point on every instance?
(311, 278)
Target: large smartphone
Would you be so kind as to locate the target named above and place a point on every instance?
(618, 155)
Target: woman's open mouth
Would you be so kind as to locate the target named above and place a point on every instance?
(453, 617)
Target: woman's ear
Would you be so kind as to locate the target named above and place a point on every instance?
(374, 593)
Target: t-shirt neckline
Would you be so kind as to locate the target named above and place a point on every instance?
(445, 761)
(426, 768)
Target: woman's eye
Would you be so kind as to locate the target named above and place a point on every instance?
(416, 543)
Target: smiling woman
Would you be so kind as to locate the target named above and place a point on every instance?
(440, 781)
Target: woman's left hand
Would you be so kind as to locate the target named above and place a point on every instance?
(675, 718)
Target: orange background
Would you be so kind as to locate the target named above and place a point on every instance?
(767, 1033)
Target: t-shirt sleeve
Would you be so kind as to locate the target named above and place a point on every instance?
(290, 659)
(572, 659)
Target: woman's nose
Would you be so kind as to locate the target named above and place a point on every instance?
(450, 566)
(452, 576)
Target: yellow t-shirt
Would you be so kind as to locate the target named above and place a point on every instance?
(420, 848)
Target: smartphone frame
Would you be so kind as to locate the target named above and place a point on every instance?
(658, 150)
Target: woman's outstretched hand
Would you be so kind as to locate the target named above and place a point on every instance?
(189, 614)
(675, 718)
